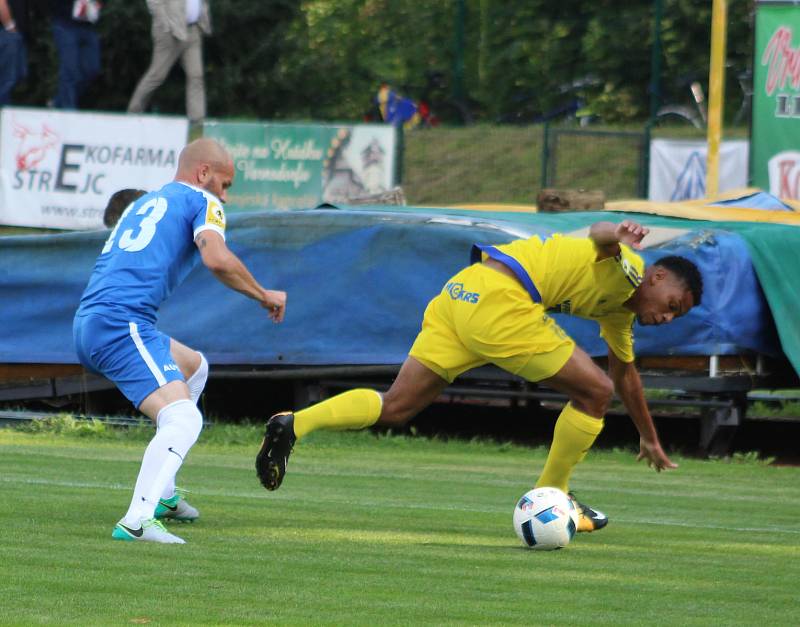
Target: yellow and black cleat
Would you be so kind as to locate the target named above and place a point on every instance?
(588, 519)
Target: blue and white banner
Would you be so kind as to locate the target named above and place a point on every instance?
(678, 168)
(59, 168)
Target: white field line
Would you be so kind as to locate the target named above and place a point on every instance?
(389, 503)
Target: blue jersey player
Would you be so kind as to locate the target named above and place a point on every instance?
(149, 253)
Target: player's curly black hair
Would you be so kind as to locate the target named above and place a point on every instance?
(687, 272)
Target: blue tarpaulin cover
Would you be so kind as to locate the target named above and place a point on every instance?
(358, 281)
(757, 200)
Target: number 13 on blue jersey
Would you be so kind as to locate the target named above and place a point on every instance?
(137, 238)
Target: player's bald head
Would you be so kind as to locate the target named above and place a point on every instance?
(203, 151)
(206, 164)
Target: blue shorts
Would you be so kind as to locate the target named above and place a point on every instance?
(131, 353)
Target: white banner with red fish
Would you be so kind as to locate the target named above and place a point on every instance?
(59, 168)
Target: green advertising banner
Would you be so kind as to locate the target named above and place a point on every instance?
(775, 143)
(298, 166)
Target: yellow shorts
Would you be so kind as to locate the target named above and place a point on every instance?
(483, 316)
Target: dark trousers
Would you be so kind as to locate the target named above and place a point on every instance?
(79, 60)
(14, 64)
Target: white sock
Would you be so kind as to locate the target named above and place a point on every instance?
(169, 490)
(197, 382)
(179, 425)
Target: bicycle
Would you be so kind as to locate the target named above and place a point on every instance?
(571, 105)
(696, 112)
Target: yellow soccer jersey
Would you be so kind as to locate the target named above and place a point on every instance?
(570, 280)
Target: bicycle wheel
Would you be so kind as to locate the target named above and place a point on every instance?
(678, 116)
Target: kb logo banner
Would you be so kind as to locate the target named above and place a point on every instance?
(59, 168)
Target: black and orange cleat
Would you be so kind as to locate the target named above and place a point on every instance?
(588, 519)
(273, 457)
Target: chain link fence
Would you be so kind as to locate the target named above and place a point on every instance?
(614, 162)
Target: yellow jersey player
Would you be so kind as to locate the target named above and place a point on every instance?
(495, 311)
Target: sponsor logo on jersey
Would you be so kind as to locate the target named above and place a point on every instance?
(561, 308)
(457, 292)
(631, 273)
(170, 367)
(215, 215)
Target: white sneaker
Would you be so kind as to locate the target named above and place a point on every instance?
(176, 508)
(149, 529)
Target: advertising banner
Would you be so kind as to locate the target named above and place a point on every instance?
(678, 168)
(297, 166)
(58, 168)
(775, 164)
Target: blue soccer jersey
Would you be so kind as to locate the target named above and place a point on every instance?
(150, 252)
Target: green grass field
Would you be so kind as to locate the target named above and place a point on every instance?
(389, 530)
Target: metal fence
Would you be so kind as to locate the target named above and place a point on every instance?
(612, 161)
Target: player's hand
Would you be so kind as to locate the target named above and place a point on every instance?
(631, 233)
(275, 303)
(655, 456)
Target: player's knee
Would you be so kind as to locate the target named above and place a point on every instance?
(192, 420)
(197, 382)
(184, 418)
(601, 393)
(595, 396)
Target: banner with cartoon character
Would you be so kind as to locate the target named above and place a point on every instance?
(58, 169)
(775, 164)
(298, 166)
(678, 168)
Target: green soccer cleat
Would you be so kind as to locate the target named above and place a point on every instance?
(588, 519)
(276, 447)
(149, 530)
(176, 508)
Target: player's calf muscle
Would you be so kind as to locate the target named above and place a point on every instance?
(396, 412)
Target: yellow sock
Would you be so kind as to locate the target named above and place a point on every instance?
(354, 409)
(573, 436)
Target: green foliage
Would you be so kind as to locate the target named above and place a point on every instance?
(240, 60)
(780, 409)
(749, 458)
(70, 426)
(324, 60)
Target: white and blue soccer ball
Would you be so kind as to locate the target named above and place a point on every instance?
(545, 519)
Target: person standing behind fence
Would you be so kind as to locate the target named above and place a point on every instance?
(177, 31)
(78, 46)
(13, 46)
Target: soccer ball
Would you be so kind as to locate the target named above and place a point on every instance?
(545, 519)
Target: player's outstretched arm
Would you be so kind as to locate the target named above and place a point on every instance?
(230, 270)
(607, 236)
(628, 386)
